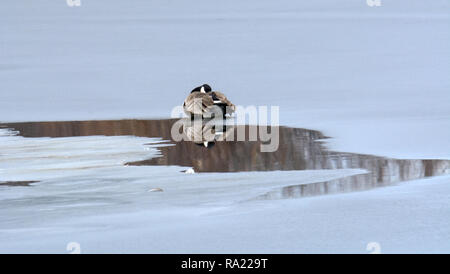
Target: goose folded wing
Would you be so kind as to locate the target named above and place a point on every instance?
(220, 98)
(198, 103)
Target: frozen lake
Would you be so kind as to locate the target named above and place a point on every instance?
(374, 79)
(57, 175)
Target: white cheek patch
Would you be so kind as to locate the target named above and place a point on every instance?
(202, 90)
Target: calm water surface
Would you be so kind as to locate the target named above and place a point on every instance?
(299, 149)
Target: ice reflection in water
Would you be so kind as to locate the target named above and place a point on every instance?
(17, 183)
(299, 149)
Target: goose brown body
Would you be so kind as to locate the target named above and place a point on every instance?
(198, 103)
(202, 100)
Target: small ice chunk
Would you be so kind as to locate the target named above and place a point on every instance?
(156, 190)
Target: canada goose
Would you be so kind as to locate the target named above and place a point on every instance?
(202, 100)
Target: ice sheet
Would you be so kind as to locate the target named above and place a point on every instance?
(374, 78)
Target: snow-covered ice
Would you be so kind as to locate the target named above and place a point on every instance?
(373, 78)
(85, 177)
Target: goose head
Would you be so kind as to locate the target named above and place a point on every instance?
(203, 88)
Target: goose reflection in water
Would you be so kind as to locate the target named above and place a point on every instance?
(206, 132)
(299, 149)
